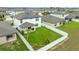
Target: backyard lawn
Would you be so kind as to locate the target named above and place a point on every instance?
(41, 37)
(17, 45)
(72, 28)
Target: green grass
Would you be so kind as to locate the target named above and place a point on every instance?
(72, 44)
(70, 27)
(72, 11)
(17, 45)
(1, 18)
(41, 37)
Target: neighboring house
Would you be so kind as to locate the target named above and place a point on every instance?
(59, 14)
(52, 20)
(9, 18)
(30, 18)
(2, 13)
(74, 17)
(10, 15)
(13, 13)
(7, 33)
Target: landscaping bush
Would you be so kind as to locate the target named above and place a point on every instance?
(22, 32)
(45, 13)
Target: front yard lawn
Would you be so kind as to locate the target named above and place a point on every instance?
(41, 37)
(17, 45)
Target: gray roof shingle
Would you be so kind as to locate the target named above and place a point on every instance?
(51, 19)
(6, 29)
(72, 15)
(22, 16)
(26, 25)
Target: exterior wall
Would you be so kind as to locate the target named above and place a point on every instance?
(59, 16)
(33, 21)
(16, 23)
(54, 25)
(9, 19)
(67, 20)
(58, 24)
(14, 12)
(3, 39)
(77, 20)
(25, 29)
(40, 14)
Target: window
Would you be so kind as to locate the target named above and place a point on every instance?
(77, 17)
(20, 21)
(32, 28)
(9, 36)
(37, 19)
(55, 24)
(66, 18)
(70, 19)
(29, 27)
(36, 24)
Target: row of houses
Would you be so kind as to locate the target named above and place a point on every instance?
(24, 20)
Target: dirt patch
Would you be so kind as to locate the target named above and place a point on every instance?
(58, 44)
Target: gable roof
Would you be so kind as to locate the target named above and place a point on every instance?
(51, 19)
(59, 13)
(6, 29)
(26, 25)
(72, 15)
(22, 16)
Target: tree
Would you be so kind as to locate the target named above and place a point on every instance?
(63, 22)
(1, 17)
(70, 19)
(46, 13)
(22, 32)
(28, 30)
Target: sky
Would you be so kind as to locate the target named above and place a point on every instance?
(39, 3)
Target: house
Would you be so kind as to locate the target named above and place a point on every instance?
(59, 14)
(9, 18)
(13, 13)
(10, 15)
(30, 18)
(74, 17)
(7, 33)
(2, 14)
(25, 26)
(52, 20)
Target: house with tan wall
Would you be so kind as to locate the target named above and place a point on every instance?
(7, 33)
(52, 20)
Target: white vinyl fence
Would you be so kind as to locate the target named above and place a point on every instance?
(76, 20)
(64, 36)
(25, 41)
(48, 46)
